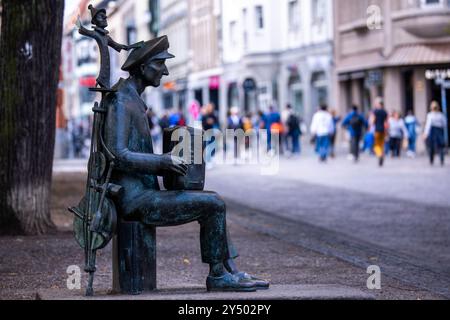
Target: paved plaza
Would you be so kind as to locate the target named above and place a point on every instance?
(397, 216)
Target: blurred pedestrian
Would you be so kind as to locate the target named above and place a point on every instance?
(194, 110)
(209, 118)
(164, 121)
(284, 138)
(293, 131)
(234, 123)
(322, 127)
(155, 129)
(336, 120)
(78, 138)
(247, 126)
(412, 125)
(435, 132)
(379, 120)
(260, 123)
(355, 124)
(397, 133)
(174, 118)
(247, 122)
(82, 139)
(182, 120)
(261, 120)
(210, 122)
(369, 140)
(275, 127)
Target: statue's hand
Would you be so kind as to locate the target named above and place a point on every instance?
(134, 46)
(174, 164)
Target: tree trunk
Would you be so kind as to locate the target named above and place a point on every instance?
(30, 53)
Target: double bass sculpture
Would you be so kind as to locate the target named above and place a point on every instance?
(95, 218)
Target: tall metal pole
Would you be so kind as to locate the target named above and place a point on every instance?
(444, 109)
(444, 86)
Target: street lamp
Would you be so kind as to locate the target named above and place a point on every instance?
(444, 84)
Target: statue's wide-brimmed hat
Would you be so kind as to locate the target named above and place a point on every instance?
(95, 11)
(152, 49)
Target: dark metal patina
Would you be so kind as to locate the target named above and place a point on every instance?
(123, 196)
(101, 35)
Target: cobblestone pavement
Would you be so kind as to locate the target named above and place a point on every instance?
(397, 217)
(31, 264)
(309, 224)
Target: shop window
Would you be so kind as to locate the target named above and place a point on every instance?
(259, 14)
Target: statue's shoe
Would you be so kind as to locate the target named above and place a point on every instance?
(260, 284)
(229, 283)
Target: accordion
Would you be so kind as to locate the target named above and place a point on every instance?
(186, 143)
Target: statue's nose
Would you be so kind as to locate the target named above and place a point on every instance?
(165, 71)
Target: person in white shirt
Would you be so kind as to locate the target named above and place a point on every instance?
(397, 132)
(322, 127)
(234, 123)
(435, 131)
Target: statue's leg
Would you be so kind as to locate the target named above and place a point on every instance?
(213, 233)
(229, 263)
(172, 208)
(232, 251)
(231, 267)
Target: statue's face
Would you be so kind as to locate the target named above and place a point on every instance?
(101, 20)
(153, 71)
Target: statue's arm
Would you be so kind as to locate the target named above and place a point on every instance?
(115, 45)
(119, 47)
(117, 135)
(85, 32)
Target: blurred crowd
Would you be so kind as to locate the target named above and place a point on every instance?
(287, 124)
(377, 133)
(380, 133)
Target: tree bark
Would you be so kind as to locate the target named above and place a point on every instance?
(30, 53)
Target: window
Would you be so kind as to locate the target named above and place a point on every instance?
(131, 34)
(294, 14)
(434, 3)
(154, 17)
(259, 14)
(318, 11)
(244, 28)
(233, 32)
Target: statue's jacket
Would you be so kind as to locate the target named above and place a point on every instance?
(127, 135)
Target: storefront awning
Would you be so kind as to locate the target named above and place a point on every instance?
(409, 55)
(420, 55)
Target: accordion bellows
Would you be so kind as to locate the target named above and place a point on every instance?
(187, 143)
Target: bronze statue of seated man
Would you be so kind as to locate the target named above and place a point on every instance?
(127, 135)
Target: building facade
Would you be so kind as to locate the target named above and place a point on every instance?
(277, 53)
(174, 18)
(394, 49)
(129, 21)
(79, 69)
(306, 63)
(205, 53)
